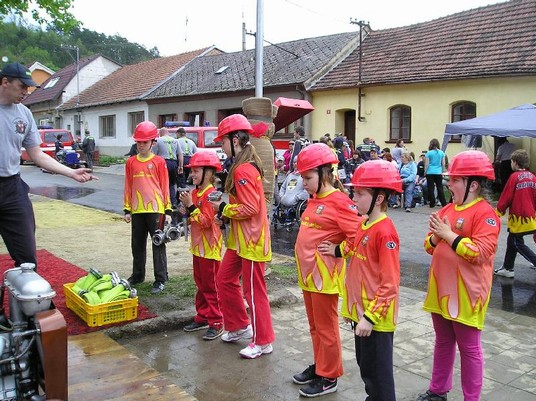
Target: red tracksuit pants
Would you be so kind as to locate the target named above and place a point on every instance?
(206, 298)
(231, 297)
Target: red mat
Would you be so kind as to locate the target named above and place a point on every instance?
(58, 272)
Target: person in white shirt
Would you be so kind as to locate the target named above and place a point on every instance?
(292, 191)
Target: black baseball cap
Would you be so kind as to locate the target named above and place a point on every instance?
(17, 70)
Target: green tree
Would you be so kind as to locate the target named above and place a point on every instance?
(29, 44)
(57, 11)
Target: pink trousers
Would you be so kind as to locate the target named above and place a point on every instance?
(448, 334)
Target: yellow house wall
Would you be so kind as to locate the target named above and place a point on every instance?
(430, 109)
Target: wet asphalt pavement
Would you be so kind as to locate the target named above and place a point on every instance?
(212, 370)
(517, 295)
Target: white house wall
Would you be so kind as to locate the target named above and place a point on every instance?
(117, 146)
(89, 75)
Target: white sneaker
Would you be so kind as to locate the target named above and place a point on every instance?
(253, 350)
(234, 336)
(504, 273)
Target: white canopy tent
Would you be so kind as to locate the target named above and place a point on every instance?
(517, 122)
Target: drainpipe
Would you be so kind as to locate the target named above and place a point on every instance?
(360, 93)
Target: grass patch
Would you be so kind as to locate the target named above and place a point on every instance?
(180, 287)
(106, 161)
(286, 271)
(179, 292)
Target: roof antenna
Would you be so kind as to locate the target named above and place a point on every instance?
(186, 31)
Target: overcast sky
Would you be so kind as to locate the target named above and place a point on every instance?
(177, 26)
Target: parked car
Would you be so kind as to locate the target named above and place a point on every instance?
(48, 137)
(203, 137)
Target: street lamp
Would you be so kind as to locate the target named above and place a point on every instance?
(68, 47)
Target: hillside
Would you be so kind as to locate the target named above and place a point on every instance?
(27, 44)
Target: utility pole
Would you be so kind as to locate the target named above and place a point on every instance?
(79, 118)
(362, 26)
(259, 51)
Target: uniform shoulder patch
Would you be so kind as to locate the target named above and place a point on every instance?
(491, 221)
(391, 245)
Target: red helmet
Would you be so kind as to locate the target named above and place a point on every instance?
(471, 163)
(315, 155)
(235, 122)
(205, 159)
(145, 131)
(377, 174)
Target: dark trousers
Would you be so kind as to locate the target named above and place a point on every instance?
(89, 159)
(514, 244)
(17, 221)
(505, 170)
(374, 357)
(173, 173)
(435, 181)
(143, 224)
(183, 178)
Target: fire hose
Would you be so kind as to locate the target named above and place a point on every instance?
(107, 288)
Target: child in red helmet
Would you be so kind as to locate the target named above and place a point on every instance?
(372, 280)
(248, 243)
(146, 205)
(206, 244)
(462, 241)
(330, 215)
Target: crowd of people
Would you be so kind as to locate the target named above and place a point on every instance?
(422, 179)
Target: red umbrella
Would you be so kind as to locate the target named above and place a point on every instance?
(290, 110)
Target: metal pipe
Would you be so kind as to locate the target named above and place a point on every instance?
(259, 50)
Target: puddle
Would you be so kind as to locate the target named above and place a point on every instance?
(61, 192)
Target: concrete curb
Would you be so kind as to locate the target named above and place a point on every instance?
(177, 320)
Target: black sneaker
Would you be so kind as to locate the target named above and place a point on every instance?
(212, 333)
(429, 396)
(133, 281)
(306, 376)
(194, 326)
(319, 386)
(158, 287)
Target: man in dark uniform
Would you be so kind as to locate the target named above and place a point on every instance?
(17, 130)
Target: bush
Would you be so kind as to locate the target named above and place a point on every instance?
(105, 161)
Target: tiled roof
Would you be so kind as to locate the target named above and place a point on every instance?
(64, 76)
(132, 81)
(287, 63)
(496, 40)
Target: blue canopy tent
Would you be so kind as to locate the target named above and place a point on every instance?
(517, 122)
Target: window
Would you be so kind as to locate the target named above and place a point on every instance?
(134, 119)
(51, 83)
(196, 119)
(400, 123)
(162, 118)
(107, 126)
(226, 113)
(209, 138)
(461, 111)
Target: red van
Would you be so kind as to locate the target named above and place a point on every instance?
(203, 137)
(48, 137)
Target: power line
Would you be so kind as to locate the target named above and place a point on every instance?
(319, 13)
